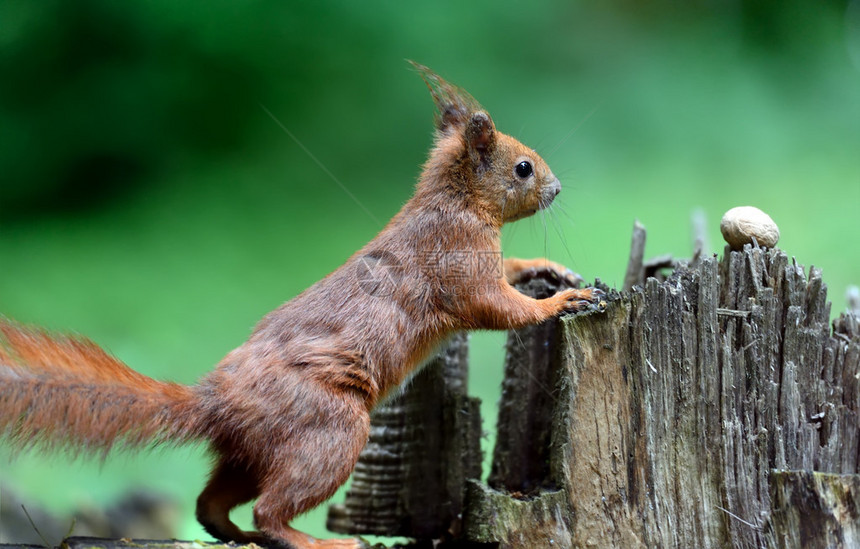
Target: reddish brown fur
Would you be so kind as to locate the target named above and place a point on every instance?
(59, 390)
(287, 413)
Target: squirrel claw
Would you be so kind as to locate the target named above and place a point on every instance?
(588, 299)
(598, 300)
(597, 293)
(579, 306)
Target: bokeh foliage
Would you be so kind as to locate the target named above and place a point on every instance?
(149, 201)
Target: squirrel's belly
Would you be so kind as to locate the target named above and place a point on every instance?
(422, 360)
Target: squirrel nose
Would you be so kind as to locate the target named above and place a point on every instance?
(555, 186)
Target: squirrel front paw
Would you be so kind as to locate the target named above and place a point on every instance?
(575, 300)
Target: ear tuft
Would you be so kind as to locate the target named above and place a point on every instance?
(480, 134)
(454, 105)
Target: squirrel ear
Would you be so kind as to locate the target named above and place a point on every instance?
(480, 135)
(453, 105)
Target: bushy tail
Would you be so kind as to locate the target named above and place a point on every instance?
(62, 391)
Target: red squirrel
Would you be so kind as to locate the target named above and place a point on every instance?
(287, 413)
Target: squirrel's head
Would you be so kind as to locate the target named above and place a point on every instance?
(497, 174)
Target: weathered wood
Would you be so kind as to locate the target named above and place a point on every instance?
(525, 421)
(519, 504)
(137, 513)
(852, 296)
(101, 543)
(673, 407)
(639, 269)
(500, 519)
(635, 274)
(678, 452)
(814, 510)
(424, 444)
(699, 227)
(525, 503)
(86, 542)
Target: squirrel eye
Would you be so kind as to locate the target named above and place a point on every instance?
(523, 169)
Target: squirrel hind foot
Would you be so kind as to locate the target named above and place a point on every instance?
(229, 485)
(222, 528)
(290, 538)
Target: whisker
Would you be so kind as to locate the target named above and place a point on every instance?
(532, 232)
(509, 232)
(560, 208)
(573, 131)
(545, 234)
(564, 172)
(570, 259)
(504, 208)
(518, 338)
(541, 142)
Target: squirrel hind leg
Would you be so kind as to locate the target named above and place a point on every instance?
(307, 470)
(229, 486)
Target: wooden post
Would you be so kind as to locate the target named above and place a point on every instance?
(679, 408)
(424, 444)
(813, 510)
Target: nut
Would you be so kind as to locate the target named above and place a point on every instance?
(743, 224)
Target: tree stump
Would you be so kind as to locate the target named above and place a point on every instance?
(813, 510)
(424, 443)
(676, 405)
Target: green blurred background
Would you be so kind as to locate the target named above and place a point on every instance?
(148, 200)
